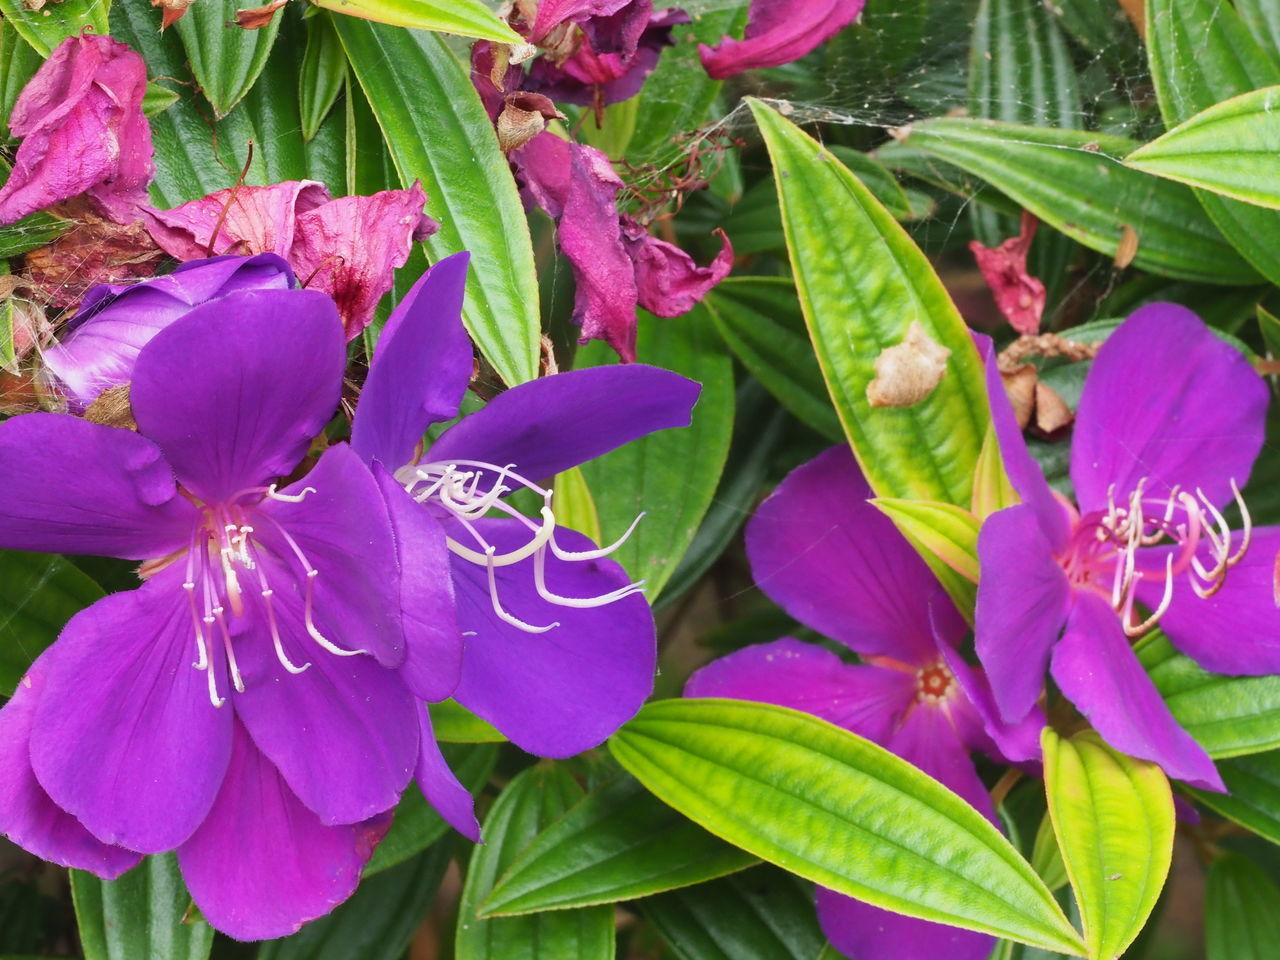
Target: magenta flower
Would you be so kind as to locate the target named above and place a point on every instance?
(348, 248)
(838, 565)
(270, 766)
(1020, 296)
(1169, 424)
(84, 132)
(560, 646)
(612, 26)
(616, 263)
(101, 344)
(778, 32)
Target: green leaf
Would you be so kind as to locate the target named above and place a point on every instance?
(946, 536)
(1046, 858)
(323, 73)
(1263, 18)
(1241, 910)
(39, 593)
(1074, 180)
(1253, 797)
(575, 506)
(532, 801)
(442, 136)
(1230, 148)
(926, 450)
(226, 59)
(18, 64)
(1114, 819)
(142, 914)
(46, 28)
(157, 99)
(762, 914)
(619, 843)
(1228, 716)
(454, 723)
(760, 320)
(379, 920)
(417, 825)
(841, 811)
(466, 18)
(670, 475)
(34, 230)
(1020, 70)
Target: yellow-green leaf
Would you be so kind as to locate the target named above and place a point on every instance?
(466, 18)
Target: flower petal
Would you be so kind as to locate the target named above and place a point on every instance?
(438, 784)
(867, 700)
(779, 33)
(28, 816)
(1097, 671)
(77, 487)
(124, 736)
(235, 391)
(1023, 600)
(1012, 742)
(341, 525)
(342, 733)
(1169, 401)
(420, 370)
(556, 693)
(549, 425)
(1237, 630)
(838, 565)
(262, 864)
(928, 739)
(669, 281)
(429, 616)
(860, 930)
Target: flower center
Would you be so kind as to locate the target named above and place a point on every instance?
(468, 490)
(935, 684)
(1154, 539)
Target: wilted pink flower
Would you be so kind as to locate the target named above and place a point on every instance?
(778, 32)
(612, 26)
(348, 248)
(616, 263)
(84, 132)
(1019, 295)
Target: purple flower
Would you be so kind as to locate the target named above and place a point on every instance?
(271, 765)
(612, 26)
(837, 564)
(84, 132)
(102, 342)
(778, 32)
(1169, 424)
(560, 646)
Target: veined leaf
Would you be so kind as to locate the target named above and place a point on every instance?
(925, 450)
(532, 801)
(841, 811)
(619, 843)
(19, 62)
(454, 723)
(39, 593)
(1253, 797)
(1046, 857)
(442, 136)
(142, 914)
(946, 536)
(1075, 181)
(323, 72)
(1241, 910)
(1263, 18)
(1113, 816)
(46, 28)
(466, 18)
(157, 99)
(1231, 149)
(226, 59)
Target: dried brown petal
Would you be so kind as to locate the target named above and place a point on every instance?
(173, 11)
(1020, 386)
(112, 409)
(908, 372)
(93, 251)
(1052, 412)
(258, 17)
(1127, 249)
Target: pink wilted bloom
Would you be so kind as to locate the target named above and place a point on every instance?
(612, 26)
(348, 248)
(84, 132)
(1019, 295)
(778, 32)
(616, 263)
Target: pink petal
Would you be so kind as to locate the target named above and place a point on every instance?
(669, 282)
(1019, 295)
(778, 32)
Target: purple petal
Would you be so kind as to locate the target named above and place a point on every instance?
(27, 816)
(420, 370)
(125, 736)
(1012, 742)
(77, 487)
(341, 526)
(438, 784)
(342, 733)
(866, 700)
(860, 930)
(838, 565)
(669, 282)
(1023, 600)
(554, 13)
(1153, 406)
(262, 864)
(549, 425)
(429, 617)
(556, 693)
(779, 32)
(1237, 630)
(235, 392)
(1097, 671)
(928, 739)
(116, 321)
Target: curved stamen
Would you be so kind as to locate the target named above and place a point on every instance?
(503, 614)
(1137, 630)
(582, 603)
(289, 497)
